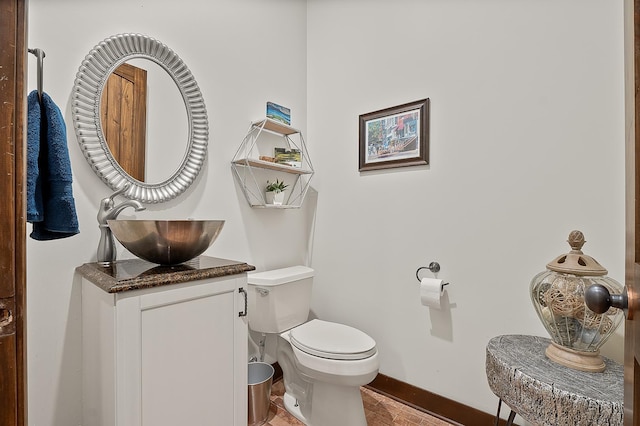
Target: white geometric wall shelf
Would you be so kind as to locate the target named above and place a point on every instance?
(253, 164)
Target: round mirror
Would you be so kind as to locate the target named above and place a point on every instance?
(91, 124)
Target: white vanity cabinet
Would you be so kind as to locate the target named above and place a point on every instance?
(166, 355)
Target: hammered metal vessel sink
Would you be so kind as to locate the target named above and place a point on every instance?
(166, 242)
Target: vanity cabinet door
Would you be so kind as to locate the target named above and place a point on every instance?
(181, 355)
(187, 351)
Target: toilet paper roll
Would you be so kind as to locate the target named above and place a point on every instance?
(431, 290)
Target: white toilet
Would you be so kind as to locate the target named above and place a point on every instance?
(323, 363)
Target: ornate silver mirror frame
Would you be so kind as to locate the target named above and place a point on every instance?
(86, 103)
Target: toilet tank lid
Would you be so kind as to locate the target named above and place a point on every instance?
(279, 276)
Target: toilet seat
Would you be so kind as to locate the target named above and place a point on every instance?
(332, 341)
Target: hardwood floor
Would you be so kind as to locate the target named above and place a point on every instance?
(380, 411)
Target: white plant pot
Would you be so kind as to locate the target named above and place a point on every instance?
(275, 198)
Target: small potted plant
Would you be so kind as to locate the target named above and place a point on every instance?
(275, 192)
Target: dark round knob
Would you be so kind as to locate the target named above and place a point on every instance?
(599, 300)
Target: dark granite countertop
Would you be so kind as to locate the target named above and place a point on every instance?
(134, 274)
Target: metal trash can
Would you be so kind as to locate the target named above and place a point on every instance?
(260, 380)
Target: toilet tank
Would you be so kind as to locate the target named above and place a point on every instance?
(279, 299)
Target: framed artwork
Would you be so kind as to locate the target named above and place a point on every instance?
(290, 157)
(395, 137)
(279, 113)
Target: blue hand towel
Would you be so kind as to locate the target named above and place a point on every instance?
(35, 212)
(59, 219)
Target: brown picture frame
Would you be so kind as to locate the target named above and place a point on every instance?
(395, 137)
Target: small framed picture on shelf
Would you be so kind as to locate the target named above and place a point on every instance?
(395, 137)
(290, 157)
(279, 113)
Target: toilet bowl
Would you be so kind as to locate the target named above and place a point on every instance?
(323, 363)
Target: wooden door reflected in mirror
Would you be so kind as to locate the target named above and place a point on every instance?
(124, 118)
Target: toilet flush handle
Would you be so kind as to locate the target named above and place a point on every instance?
(263, 291)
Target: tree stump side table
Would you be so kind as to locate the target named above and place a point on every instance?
(546, 393)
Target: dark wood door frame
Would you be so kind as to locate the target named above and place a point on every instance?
(632, 214)
(13, 52)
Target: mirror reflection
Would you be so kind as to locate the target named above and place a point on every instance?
(144, 120)
(147, 132)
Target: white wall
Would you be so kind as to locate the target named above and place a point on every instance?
(243, 54)
(526, 135)
(527, 144)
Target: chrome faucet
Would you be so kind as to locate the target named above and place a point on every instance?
(107, 211)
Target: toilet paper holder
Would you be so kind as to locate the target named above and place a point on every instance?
(433, 267)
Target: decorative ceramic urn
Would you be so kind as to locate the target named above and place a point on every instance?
(558, 297)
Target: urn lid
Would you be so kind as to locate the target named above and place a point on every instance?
(575, 262)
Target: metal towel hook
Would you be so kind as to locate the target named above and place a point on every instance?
(39, 53)
(434, 267)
